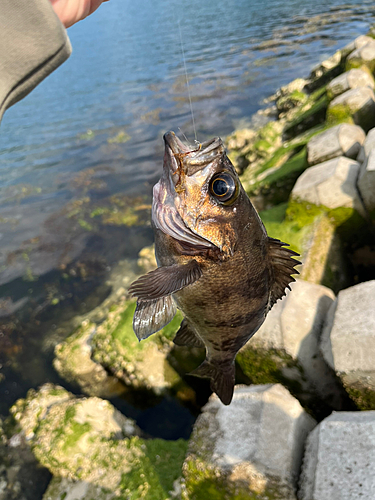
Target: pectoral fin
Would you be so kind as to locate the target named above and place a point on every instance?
(282, 267)
(152, 315)
(186, 336)
(164, 281)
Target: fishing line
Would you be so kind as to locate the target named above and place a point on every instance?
(187, 83)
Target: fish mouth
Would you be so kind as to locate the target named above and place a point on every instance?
(187, 160)
(180, 160)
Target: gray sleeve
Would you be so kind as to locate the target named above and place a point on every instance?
(33, 43)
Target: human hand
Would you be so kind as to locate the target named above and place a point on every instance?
(72, 11)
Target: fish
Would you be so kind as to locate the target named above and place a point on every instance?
(216, 262)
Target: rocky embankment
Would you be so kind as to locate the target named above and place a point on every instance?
(293, 429)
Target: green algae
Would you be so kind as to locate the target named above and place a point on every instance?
(339, 113)
(363, 397)
(153, 474)
(275, 188)
(310, 114)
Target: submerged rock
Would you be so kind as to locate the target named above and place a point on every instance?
(341, 140)
(88, 442)
(339, 459)
(74, 364)
(250, 449)
(348, 342)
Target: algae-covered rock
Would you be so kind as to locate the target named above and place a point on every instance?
(332, 183)
(363, 56)
(88, 441)
(350, 80)
(251, 449)
(353, 106)
(74, 364)
(142, 364)
(348, 342)
(341, 140)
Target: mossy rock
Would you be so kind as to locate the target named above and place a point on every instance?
(88, 440)
(140, 365)
(309, 115)
(361, 389)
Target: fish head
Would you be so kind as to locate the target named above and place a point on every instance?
(199, 199)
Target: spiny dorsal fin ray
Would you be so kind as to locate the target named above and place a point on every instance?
(282, 267)
(164, 281)
(152, 315)
(186, 336)
(222, 379)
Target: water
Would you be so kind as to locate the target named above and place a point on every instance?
(79, 156)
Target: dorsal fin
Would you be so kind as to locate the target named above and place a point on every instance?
(282, 268)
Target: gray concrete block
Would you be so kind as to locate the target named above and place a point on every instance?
(348, 342)
(294, 325)
(256, 443)
(367, 146)
(341, 140)
(331, 183)
(339, 461)
(350, 80)
(359, 42)
(366, 181)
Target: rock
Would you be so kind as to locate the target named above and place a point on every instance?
(74, 364)
(350, 80)
(367, 146)
(146, 259)
(341, 140)
(366, 181)
(363, 56)
(331, 183)
(359, 42)
(62, 488)
(250, 449)
(348, 342)
(339, 459)
(88, 442)
(326, 66)
(139, 365)
(21, 477)
(356, 105)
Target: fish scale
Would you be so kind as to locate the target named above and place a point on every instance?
(216, 262)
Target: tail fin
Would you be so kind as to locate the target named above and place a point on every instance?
(222, 379)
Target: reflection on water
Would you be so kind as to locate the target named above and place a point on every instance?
(79, 156)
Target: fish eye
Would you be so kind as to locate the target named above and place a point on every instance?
(224, 188)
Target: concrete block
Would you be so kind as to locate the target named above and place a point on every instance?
(359, 42)
(366, 182)
(339, 461)
(341, 140)
(350, 80)
(254, 446)
(348, 341)
(331, 183)
(357, 104)
(367, 146)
